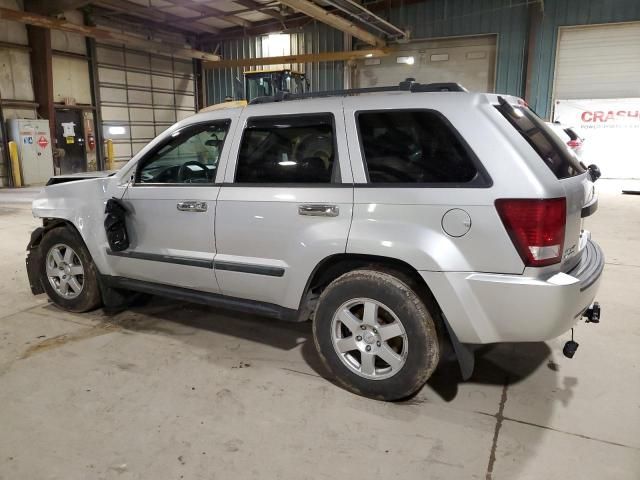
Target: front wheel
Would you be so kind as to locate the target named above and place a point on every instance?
(68, 274)
(375, 334)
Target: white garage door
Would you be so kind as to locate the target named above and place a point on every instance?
(598, 62)
(469, 61)
(597, 90)
(141, 94)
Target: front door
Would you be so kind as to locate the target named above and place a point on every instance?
(70, 138)
(286, 202)
(172, 210)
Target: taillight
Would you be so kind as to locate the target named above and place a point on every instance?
(536, 228)
(574, 143)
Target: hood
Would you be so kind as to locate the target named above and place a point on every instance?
(72, 177)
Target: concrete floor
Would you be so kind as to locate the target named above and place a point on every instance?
(174, 390)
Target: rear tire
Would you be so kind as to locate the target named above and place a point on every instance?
(376, 335)
(68, 273)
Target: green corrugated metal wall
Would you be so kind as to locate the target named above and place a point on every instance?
(431, 19)
(564, 13)
(451, 18)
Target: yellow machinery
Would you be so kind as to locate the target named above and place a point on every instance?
(263, 83)
(266, 83)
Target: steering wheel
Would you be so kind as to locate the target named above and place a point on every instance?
(185, 174)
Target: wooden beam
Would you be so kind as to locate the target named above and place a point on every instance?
(333, 20)
(103, 34)
(302, 58)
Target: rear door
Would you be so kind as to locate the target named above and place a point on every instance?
(287, 200)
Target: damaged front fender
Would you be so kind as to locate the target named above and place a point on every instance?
(34, 260)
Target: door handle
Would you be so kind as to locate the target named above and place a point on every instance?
(192, 206)
(318, 210)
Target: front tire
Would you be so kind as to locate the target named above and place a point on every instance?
(68, 274)
(376, 336)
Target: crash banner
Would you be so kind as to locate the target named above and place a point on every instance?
(610, 128)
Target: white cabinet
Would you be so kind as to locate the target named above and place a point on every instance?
(34, 149)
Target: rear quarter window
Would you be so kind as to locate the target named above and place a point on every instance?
(416, 147)
(542, 139)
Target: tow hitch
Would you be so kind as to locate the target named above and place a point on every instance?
(592, 314)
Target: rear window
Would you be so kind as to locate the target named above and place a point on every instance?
(414, 146)
(544, 141)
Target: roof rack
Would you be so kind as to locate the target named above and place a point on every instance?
(409, 85)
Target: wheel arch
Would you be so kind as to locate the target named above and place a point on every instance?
(49, 224)
(34, 254)
(332, 267)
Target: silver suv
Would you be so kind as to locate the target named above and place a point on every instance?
(397, 221)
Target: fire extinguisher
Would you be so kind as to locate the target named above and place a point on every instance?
(91, 141)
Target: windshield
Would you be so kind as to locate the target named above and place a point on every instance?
(259, 86)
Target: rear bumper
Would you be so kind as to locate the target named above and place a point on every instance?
(488, 308)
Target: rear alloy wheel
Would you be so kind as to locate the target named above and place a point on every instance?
(369, 338)
(68, 274)
(375, 334)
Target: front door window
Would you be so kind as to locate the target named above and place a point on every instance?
(190, 156)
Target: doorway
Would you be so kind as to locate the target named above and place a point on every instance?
(70, 139)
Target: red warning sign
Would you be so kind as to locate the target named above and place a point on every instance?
(42, 141)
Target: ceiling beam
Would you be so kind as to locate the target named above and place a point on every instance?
(147, 13)
(302, 58)
(53, 7)
(252, 4)
(335, 21)
(103, 34)
(206, 9)
(290, 24)
(108, 19)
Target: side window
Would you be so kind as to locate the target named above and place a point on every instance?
(413, 146)
(191, 156)
(288, 149)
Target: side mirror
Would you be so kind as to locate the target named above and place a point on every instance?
(212, 143)
(594, 172)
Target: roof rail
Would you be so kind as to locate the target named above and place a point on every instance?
(409, 85)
